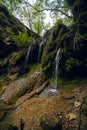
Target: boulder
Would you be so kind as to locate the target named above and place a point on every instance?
(71, 116)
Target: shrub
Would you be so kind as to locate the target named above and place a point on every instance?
(21, 38)
(71, 63)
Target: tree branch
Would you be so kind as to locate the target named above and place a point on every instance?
(49, 9)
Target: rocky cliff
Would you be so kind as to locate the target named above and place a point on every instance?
(11, 54)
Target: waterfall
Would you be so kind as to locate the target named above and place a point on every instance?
(53, 91)
(27, 57)
(57, 66)
(40, 48)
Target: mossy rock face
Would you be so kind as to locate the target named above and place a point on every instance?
(17, 58)
(9, 48)
(8, 24)
(73, 61)
(53, 43)
(48, 123)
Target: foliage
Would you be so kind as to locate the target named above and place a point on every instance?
(11, 4)
(68, 21)
(85, 100)
(34, 15)
(21, 38)
(58, 22)
(38, 18)
(56, 7)
(71, 63)
(34, 19)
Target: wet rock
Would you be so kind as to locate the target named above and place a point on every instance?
(48, 123)
(71, 116)
(52, 92)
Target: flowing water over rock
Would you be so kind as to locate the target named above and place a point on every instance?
(41, 45)
(27, 56)
(57, 59)
(52, 90)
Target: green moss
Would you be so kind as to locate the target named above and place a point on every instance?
(71, 63)
(1, 90)
(14, 98)
(46, 126)
(85, 122)
(85, 100)
(53, 43)
(16, 56)
(67, 84)
(34, 68)
(48, 56)
(3, 62)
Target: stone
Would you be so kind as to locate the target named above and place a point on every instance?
(77, 104)
(52, 92)
(71, 116)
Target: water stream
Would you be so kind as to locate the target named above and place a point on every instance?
(54, 90)
(40, 49)
(27, 57)
(57, 59)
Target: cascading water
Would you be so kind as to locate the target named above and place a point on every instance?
(54, 89)
(57, 59)
(40, 48)
(27, 57)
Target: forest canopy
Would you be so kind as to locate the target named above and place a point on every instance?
(35, 14)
